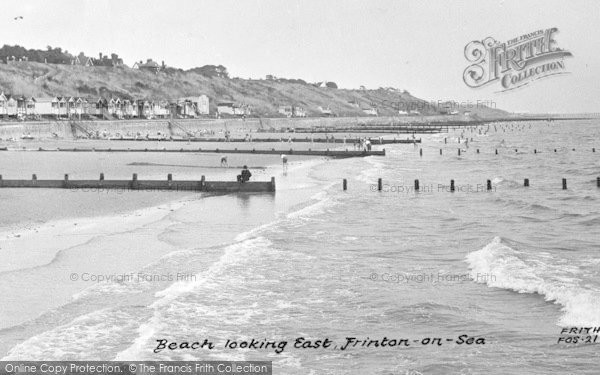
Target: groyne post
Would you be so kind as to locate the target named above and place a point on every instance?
(134, 181)
(417, 185)
(420, 152)
(564, 184)
(272, 183)
(496, 151)
(202, 182)
(34, 177)
(451, 185)
(459, 152)
(526, 182)
(489, 185)
(379, 184)
(101, 176)
(597, 181)
(344, 184)
(440, 151)
(169, 177)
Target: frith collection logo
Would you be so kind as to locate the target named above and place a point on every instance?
(516, 62)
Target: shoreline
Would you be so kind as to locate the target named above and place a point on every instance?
(72, 129)
(91, 233)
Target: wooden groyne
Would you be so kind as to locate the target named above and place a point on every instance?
(348, 141)
(148, 185)
(309, 152)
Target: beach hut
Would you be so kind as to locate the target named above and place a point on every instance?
(62, 106)
(46, 106)
(11, 106)
(129, 108)
(3, 100)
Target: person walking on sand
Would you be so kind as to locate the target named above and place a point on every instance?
(224, 162)
(284, 161)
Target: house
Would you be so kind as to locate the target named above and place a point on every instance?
(286, 110)
(371, 111)
(242, 109)
(225, 108)
(292, 111)
(193, 105)
(325, 111)
(104, 60)
(149, 65)
(82, 60)
(299, 112)
(229, 108)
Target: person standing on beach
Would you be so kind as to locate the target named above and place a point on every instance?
(284, 161)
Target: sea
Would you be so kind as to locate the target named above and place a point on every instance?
(435, 281)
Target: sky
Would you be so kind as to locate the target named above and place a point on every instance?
(412, 45)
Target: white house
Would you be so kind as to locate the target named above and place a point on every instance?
(299, 112)
(225, 108)
(370, 111)
(286, 110)
(194, 105)
(325, 111)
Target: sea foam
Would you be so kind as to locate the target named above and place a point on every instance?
(513, 270)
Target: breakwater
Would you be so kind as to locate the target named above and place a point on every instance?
(148, 185)
(309, 152)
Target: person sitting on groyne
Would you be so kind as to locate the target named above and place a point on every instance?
(244, 175)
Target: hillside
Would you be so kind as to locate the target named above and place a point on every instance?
(265, 96)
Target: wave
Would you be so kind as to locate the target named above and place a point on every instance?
(513, 270)
(233, 255)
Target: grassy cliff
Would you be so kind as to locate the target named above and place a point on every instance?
(265, 96)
